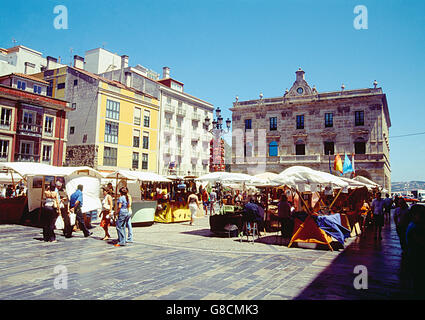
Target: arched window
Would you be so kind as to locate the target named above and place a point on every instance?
(273, 149)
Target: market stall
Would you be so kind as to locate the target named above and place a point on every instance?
(142, 187)
(37, 175)
(312, 226)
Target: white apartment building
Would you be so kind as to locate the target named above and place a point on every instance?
(184, 140)
(20, 59)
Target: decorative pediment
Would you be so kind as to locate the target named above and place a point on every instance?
(300, 86)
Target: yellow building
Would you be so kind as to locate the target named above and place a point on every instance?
(112, 126)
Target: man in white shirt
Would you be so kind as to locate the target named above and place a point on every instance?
(378, 214)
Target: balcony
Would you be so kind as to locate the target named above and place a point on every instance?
(179, 131)
(169, 108)
(29, 129)
(179, 151)
(168, 150)
(4, 157)
(4, 125)
(27, 157)
(196, 117)
(300, 158)
(196, 154)
(181, 112)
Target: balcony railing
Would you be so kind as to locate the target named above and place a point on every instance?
(196, 154)
(5, 125)
(27, 157)
(168, 150)
(181, 112)
(169, 108)
(179, 151)
(179, 131)
(196, 116)
(29, 128)
(300, 158)
(4, 157)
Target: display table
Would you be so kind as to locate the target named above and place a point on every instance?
(143, 212)
(172, 212)
(218, 222)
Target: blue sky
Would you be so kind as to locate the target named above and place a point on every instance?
(221, 49)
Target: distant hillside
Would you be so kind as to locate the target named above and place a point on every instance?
(412, 185)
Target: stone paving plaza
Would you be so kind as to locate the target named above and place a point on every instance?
(183, 262)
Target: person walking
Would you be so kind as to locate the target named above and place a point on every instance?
(205, 199)
(213, 200)
(193, 202)
(402, 220)
(130, 211)
(75, 204)
(50, 213)
(284, 214)
(106, 212)
(388, 203)
(123, 217)
(378, 214)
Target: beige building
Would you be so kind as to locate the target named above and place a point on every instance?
(305, 127)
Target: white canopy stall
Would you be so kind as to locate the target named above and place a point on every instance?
(37, 175)
(143, 211)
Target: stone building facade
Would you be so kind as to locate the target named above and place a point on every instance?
(308, 128)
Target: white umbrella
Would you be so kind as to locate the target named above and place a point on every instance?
(366, 180)
(225, 177)
(137, 175)
(297, 176)
(356, 183)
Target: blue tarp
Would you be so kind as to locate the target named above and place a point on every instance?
(332, 225)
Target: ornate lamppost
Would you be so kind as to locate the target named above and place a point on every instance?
(217, 143)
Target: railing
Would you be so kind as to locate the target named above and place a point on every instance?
(181, 112)
(179, 151)
(27, 157)
(169, 108)
(5, 125)
(4, 157)
(168, 150)
(300, 158)
(30, 128)
(179, 131)
(196, 154)
(48, 132)
(196, 117)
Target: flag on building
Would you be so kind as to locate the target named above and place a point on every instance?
(338, 163)
(347, 165)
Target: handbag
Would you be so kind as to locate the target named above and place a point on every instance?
(59, 224)
(72, 217)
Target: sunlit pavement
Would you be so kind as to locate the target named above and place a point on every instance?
(179, 261)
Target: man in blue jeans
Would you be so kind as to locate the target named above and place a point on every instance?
(75, 204)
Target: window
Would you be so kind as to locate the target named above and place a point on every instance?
(135, 160)
(146, 118)
(329, 121)
(137, 116)
(359, 146)
(37, 89)
(48, 125)
(61, 85)
(359, 118)
(71, 130)
(47, 153)
(111, 132)
(22, 85)
(75, 82)
(4, 150)
(300, 121)
(6, 117)
(300, 149)
(248, 124)
(50, 89)
(273, 123)
(329, 148)
(26, 148)
(28, 120)
(112, 110)
(169, 100)
(136, 138)
(110, 157)
(85, 138)
(145, 140)
(145, 158)
(74, 106)
(273, 149)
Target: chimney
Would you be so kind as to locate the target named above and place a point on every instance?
(124, 62)
(165, 72)
(51, 62)
(29, 68)
(127, 79)
(78, 62)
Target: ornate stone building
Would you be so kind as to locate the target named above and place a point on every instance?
(305, 127)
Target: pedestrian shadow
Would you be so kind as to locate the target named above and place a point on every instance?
(201, 232)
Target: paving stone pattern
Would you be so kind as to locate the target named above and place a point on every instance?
(182, 262)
